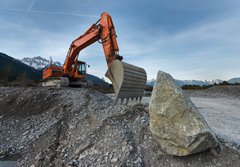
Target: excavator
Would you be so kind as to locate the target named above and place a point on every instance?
(128, 80)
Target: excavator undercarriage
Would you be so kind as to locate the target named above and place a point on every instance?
(56, 82)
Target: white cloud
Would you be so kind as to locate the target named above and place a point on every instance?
(204, 51)
(30, 10)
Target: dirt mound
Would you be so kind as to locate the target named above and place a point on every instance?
(81, 127)
(32, 101)
(217, 91)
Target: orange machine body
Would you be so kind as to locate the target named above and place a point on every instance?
(104, 32)
(52, 71)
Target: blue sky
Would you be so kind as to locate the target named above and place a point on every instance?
(190, 39)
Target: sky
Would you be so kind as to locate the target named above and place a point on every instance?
(190, 39)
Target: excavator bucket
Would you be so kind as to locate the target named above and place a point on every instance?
(128, 80)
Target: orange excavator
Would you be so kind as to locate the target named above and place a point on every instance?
(128, 80)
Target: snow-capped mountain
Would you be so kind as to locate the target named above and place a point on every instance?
(198, 82)
(191, 82)
(234, 80)
(214, 81)
(38, 62)
(151, 82)
(13, 68)
(181, 82)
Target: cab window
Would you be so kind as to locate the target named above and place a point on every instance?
(81, 69)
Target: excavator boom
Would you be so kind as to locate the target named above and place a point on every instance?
(104, 32)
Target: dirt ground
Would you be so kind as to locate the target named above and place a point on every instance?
(82, 127)
(223, 116)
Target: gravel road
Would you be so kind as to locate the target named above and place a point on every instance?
(223, 115)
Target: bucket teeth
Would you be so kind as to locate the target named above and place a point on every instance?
(127, 101)
(128, 80)
(116, 100)
(122, 100)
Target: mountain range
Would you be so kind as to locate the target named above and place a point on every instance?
(38, 62)
(11, 69)
(198, 82)
(234, 80)
(31, 68)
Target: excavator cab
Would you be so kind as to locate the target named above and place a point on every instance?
(80, 74)
(81, 70)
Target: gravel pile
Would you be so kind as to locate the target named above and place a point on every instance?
(217, 91)
(82, 127)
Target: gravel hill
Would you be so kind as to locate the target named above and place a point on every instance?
(82, 127)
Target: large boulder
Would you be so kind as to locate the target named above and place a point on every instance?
(175, 121)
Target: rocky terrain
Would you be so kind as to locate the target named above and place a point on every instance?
(82, 127)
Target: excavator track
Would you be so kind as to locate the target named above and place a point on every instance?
(55, 82)
(128, 81)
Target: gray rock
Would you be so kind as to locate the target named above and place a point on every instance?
(39, 157)
(114, 160)
(175, 121)
(84, 146)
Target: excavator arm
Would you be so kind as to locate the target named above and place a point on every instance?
(102, 31)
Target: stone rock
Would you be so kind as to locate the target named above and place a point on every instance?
(114, 160)
(175, 121)
(84, 146)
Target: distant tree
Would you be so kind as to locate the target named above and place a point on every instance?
(194, 87)
(22, 79)
(6, 73)
(148, 88)
(224, 83)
